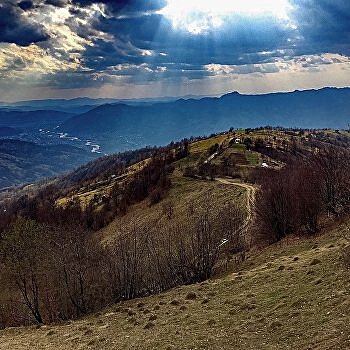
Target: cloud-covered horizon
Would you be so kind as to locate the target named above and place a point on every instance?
(167, 47)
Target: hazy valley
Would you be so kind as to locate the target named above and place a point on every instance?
(115, 127)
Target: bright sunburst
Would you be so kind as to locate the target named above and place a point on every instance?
(197, 16)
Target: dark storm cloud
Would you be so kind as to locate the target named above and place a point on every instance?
(126, 7)
(56, 3)
(323, 24)
(25, 5)
(319, 26)
(315, 27)
(226, 45)
(131, 40)
(15, 28)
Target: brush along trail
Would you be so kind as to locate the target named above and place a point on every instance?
(250, 200)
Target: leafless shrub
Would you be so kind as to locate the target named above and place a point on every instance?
(293, 199)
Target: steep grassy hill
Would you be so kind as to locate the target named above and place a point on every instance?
(292, 295)
(184, 196)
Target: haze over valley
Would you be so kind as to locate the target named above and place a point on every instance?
(116, 127)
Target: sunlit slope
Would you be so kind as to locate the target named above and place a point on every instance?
(199, 151)
(185, 196)
(94, 190)
(293, 295)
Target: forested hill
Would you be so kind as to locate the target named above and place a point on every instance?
(325, 108)
(22, 161)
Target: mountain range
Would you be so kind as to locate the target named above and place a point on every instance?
(25, 120)
(78, 105)
(115, 127)
(161, 123)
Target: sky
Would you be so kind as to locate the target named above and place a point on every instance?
(155, 48)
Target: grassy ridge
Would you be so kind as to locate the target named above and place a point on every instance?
(294, 294)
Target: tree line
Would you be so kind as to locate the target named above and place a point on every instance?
(52, 274)
(53, 268)
(309, 187)
(151, 181)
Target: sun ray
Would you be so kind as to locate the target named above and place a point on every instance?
(197, 16)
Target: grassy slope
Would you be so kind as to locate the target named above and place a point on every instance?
(183, 194)
(198, 150)
(198, 154)
(280, 299)
(292, 295)
(101, 188)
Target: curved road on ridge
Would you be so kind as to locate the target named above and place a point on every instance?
(250, 200)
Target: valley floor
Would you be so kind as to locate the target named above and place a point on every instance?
(292, 295)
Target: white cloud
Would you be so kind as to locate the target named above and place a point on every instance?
(198, 16)
(18, 62)
(295, 64)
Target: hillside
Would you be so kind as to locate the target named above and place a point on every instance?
(292, 295)
(7, 131)
(126, 126)
(184, 195)
(25, 120)
(22, 162)
(240, 239)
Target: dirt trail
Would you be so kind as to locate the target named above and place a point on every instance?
(250, 200)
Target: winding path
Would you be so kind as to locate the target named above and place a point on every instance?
(250, 200)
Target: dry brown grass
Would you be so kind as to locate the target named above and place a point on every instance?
(204, 145)
(103, 187)
(278, 300)
(184, 195)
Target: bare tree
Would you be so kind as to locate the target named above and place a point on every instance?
(77, 262)
(307, 196)
(274, 208)
(22, 252)
(333, 166)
